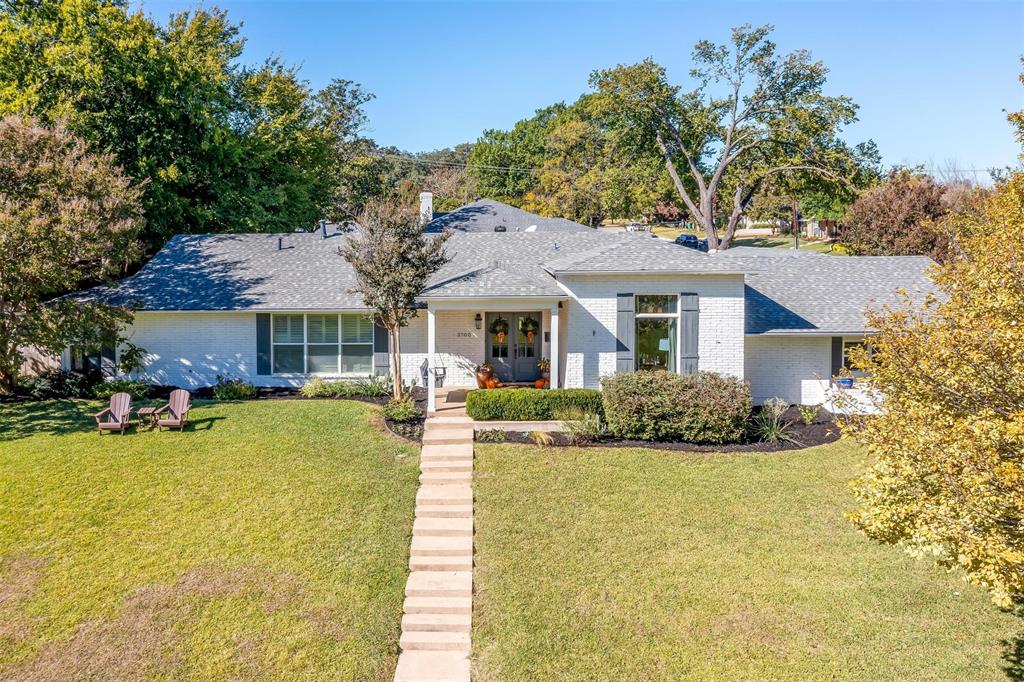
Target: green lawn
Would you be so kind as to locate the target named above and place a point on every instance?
(628, 564)
(781, 242)
(270, 539)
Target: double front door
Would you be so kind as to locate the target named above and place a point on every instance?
(514, 345)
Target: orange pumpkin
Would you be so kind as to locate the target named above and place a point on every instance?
(492, 382)
(539, 383)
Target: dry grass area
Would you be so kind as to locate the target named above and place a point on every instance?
(267, 541)
(638, 564)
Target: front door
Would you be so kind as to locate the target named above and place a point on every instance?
(513, 345)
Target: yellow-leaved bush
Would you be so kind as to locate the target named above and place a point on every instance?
(946, 472)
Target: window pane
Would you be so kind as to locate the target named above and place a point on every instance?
(357, 359)
(356, 329)
(656, 344)
(322, 328)
(656, 304)
(287, 328)
(323, 358)
(288, 359)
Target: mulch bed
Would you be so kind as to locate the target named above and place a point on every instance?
(819, 432)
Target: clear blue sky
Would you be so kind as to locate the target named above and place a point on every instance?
(932, 78)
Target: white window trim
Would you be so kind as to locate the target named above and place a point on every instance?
(655, 316)
(305, 348)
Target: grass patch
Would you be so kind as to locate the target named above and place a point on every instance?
(613, 564)
(270, 539)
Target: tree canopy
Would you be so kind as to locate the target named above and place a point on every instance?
(67, 217)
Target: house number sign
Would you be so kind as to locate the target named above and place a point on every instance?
(464, 335)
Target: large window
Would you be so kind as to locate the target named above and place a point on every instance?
(323, 344)
(657, 321)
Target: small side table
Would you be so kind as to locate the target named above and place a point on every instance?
(148, 415)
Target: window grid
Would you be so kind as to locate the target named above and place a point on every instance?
(674, 326)
(351, 337)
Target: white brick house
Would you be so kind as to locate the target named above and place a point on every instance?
(276, 309)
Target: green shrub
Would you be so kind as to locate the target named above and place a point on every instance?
(696, 408)
(373, 387)
(233, 389)
(529, 404)
(136, 389)
(315, 388)
(403, 410)
(581, 427)
(55, 385)
(491, 436)
(808, 413)
(770, 425)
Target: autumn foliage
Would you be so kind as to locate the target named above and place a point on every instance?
(947, 473)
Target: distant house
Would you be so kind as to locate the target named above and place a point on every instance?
(277, 309)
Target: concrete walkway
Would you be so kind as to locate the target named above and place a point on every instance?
(438, 609)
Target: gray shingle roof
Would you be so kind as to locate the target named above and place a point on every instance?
(822, 294)
(484, 215)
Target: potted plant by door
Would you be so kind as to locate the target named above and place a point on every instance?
(499, 328)
(529, 328)
(544, 365)
(484, 373)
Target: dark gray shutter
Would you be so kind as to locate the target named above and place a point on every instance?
(837, 355)
(625, 334)
(381, 365)
(689, 318)
(263, 344)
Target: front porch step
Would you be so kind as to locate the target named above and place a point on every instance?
(453, 465)
(447, 439)
(444, 494)
(451, 419)
(442, 477)
(444, 511)
(445, 451)
(441, 563)
(462, 606)
(450, 528)
(436, 622)
(439, 584)
(434, 641)
(432, 666)
(432, 545)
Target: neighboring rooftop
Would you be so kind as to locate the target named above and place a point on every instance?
(488, 215)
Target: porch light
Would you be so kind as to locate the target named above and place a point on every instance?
(478, 321)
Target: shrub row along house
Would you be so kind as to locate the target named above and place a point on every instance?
(275, 310)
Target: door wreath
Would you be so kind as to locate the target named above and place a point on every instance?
(529, 328)
(499, 328)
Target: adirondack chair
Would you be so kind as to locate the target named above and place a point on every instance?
(177, 410)
(115, 417)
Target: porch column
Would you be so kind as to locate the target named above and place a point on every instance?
(431, 360)
(554, 346)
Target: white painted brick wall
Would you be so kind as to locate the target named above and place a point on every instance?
(459, 346)
(788, 367)
(592, 320)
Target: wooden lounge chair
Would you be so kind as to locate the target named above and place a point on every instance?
(115, 417)
(177, 410)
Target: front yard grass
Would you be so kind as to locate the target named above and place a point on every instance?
(616, 564)
(270, 539)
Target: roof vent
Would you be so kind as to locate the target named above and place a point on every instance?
(323, 229)
(499, 228)
(531, 228)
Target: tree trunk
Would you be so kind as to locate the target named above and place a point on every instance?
(395, 353)
(794, 221)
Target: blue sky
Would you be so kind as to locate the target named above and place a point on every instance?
(932, 78)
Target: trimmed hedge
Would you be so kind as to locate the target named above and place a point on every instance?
(529, 404)
(696, 408)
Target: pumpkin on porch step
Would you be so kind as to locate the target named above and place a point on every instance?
(539, 383)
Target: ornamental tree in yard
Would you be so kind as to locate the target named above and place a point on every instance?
(67, 217)
(947, 472)
(392, 260)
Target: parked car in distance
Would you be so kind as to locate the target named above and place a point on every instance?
(690, 241)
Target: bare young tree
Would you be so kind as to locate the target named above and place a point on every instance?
(753, 115)
(393, 260)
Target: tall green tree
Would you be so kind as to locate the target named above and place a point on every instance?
(67, 217)
(753, 114)
(220, 146)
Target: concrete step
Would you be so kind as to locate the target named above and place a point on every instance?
(443, 511)
(434, 641)
(434, 451)
(444, 494)
(441, 563)
(431, 465)
(445, 439)
(442, 477)
(462, 606)
(436, 622)
(439, 584)
(432, 666)
(431, 545)
(451, 419)
(422, 527)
